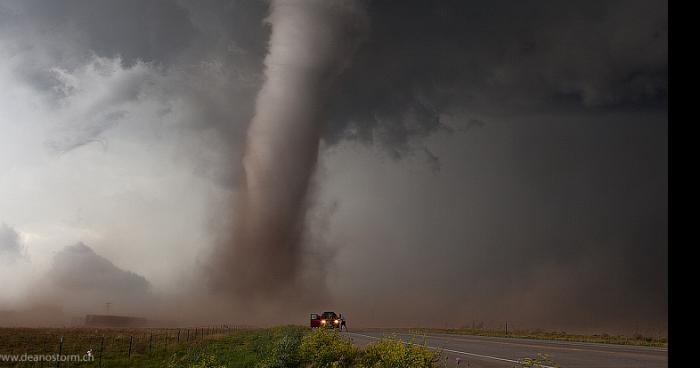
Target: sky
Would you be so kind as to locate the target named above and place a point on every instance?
(461, 162)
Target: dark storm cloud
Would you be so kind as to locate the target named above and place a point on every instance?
(423, 60)
(579, 197)
(133, 29)
(421, 64)
(583, 203)
(11, 248)
(438, 58)
(549, 221)
(566, 220)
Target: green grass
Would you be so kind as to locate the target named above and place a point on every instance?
(277, 347)
(149, 347)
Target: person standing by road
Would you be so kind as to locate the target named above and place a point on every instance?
(342, 324)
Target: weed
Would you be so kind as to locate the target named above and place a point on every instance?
(541, 361)
(394, 353)
(327, 348)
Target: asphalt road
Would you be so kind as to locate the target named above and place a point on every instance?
(495, 352)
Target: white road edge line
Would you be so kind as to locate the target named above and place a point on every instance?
(453, 351)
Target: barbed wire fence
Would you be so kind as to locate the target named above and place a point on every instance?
(103, 344)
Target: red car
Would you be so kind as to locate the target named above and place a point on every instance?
(327, 320)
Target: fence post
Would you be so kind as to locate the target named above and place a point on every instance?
(102, 349)
(131, 339)
(166, 340)
(43, 350)
(150, 343)
(178, 335)
(188, 335)
(60, 350)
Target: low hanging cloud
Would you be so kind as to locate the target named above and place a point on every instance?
(95, 98)
(78, 267)
(79, 282)
(82, 281)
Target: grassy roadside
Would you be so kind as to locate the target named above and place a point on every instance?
(293, 346)
(637, 340)
(277, 347)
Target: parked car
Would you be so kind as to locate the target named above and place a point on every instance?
(327, 320)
